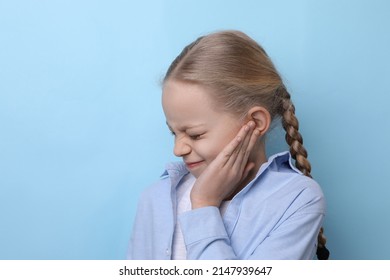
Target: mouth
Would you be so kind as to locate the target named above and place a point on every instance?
(194, 164)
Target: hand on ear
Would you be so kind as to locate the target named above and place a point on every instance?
(261, 117)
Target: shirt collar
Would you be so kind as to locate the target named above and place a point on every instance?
(280, 159)
(178, 169)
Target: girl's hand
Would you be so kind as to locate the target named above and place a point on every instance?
(225, 173)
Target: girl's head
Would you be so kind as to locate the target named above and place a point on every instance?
(229, 74)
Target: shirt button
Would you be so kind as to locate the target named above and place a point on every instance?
(167, 252)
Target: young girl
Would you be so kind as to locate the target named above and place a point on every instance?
(226, 200)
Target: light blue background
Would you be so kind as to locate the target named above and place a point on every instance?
(82, 131)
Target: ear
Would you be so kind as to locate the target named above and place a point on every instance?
(261, 117)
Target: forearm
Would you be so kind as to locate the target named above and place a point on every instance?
(205, 234)
(206, 237)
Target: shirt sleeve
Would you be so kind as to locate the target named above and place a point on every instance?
(206, 237)
(294, 239)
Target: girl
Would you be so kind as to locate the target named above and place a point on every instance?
(226, 200)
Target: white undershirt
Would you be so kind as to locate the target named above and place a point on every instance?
(183, 201)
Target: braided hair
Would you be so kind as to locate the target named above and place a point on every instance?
(298, 152)
(242, 75)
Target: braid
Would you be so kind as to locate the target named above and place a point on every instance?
(293, 137)
(322, 252)
(298, 152)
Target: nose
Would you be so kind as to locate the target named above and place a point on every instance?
(181, 148)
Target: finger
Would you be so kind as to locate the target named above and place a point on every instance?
(238, 154)
(241, 162)
(251, 144)
(241, 153)
(230, 151)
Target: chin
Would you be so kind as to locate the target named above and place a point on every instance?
(196, 171)
(195, 174)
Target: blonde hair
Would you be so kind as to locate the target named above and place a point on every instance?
(241, 75)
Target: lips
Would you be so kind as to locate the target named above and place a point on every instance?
(193, 164)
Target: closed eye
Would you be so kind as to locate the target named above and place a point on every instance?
(195, 136)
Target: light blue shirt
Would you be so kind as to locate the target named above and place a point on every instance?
(278, 215)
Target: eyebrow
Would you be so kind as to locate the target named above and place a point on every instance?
(186, 127)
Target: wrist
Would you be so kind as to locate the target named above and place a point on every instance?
(200, 203)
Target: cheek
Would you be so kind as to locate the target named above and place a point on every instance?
(215, 147)
(206, 149)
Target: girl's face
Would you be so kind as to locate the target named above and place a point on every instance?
(200, 130)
